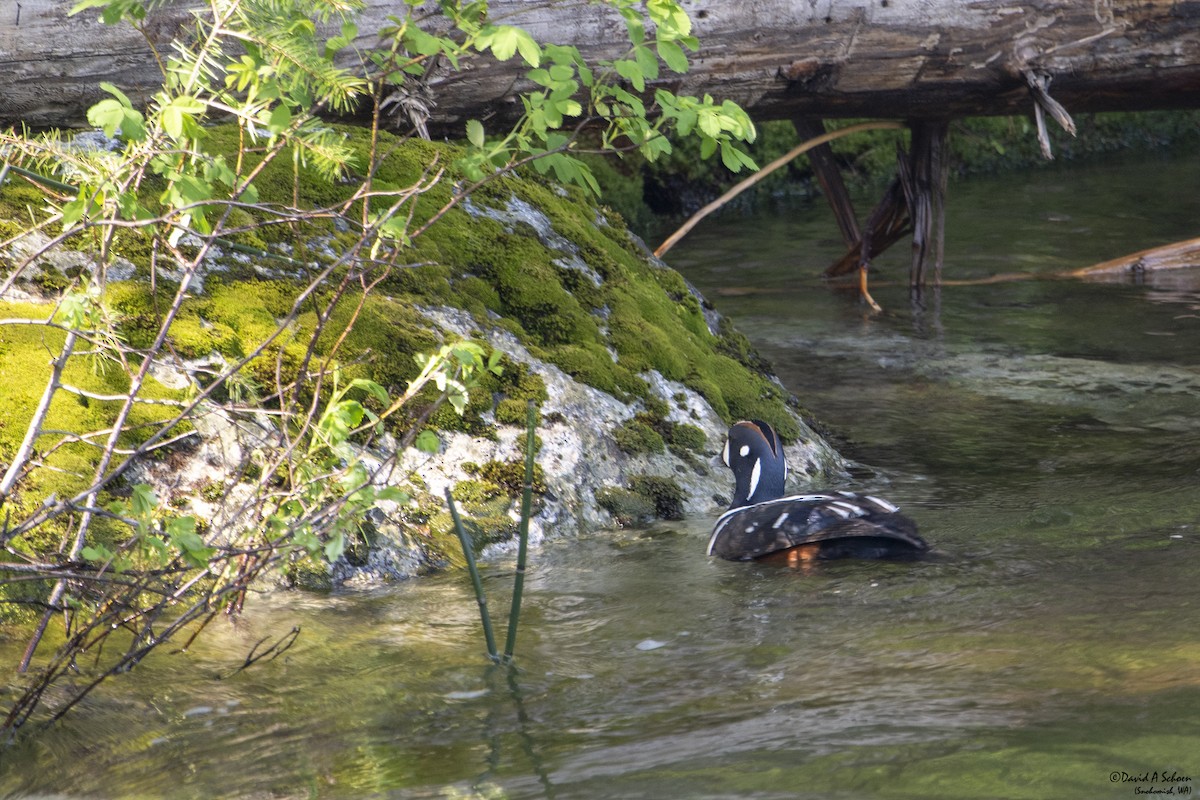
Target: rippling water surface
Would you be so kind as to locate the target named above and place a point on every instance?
(1045, 435)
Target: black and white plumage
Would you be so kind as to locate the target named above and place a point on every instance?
(761, 522)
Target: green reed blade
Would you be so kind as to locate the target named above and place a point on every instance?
(514, 614)
(468, 552)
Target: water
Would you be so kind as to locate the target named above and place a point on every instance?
(1045, 435)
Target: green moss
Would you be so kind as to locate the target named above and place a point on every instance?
(489, 267)
(306, 572)
(508, 475)
(635, 437)
(518, 382)
(492, 529)
(651, 432)
(26, 351)
(537, 442)
(212, 491)
(689, 437)
(511, 412)
(475, 494)
(471, 421)
(665, 493)
(647, 497)
(630, 509)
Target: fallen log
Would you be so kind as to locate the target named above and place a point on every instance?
(779, 59)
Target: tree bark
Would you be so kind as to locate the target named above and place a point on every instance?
(779, 59)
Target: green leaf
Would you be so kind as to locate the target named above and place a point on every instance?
(505, 41)
(529, 48)
(685, 123)
(116, 113)
(632, 72)
(475, 134)
(122, 98)
(182, 533)
(107, 116)
(710, 124)
(428, 442)
(673, 55)
(335, 546)
(304, 537)
(72, 212)
(393, 494)
(634, 24)
(143, 500)
(745, 158)
(569, 108)
(729, 159)
(188, 104)
(96, 553)
(420, 42)
(179, 111)
(172, 122)
(647, 61)
(372, 388)
(280, 120)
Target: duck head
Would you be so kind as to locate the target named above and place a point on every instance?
(755, 454)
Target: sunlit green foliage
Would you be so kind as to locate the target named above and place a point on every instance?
(176, 197)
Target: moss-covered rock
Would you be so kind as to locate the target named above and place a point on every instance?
(635, 436)
(665, 493)
(628, 508)
(591, 325)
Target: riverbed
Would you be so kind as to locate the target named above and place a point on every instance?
(1043, 433)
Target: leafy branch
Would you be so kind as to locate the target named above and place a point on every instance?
(321, 445)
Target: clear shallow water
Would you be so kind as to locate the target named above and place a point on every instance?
(1045, 436)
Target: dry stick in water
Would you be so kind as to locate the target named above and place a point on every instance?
(800, 149)
(514, 614)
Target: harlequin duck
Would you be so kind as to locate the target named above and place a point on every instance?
(763, 524)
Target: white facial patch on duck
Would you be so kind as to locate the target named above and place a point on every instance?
(755, 474)
(745, 451)
(725, 453)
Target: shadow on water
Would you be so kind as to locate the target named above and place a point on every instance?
(1045, 435)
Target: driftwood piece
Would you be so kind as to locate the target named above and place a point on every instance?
(829, 176)
(1178, 255)
(887, 224)
(915, 201)
(779, 59)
